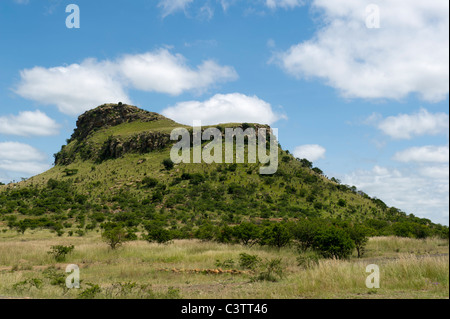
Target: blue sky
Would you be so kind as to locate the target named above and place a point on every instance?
(362, 91)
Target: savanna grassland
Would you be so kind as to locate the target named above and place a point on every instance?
(193, 269)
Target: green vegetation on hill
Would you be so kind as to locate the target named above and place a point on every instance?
(114, 174)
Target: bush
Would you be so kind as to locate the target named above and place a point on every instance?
(342, 202)
(59, 252)
(158, 234)
(91, 292)
(271, 270)
(308, 260)
(168, 164)
(304, 232)
(332, 242)
(149, 182)
(247, 233)
(276, 235)
(247, 261)
(206, 232)
(226, 264)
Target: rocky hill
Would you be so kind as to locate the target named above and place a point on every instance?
(116, 168)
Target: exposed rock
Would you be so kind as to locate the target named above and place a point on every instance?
(110, 115)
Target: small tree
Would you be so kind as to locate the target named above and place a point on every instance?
(276, 235)
(158, 234)
(247, 233)
(333, 242)
(115, 236)
(358, 234)
(59, 252)
(304, 233)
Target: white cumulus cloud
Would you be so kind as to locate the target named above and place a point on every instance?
(161, 71)
(409, 53)
(311, 152)
(79, 87)
(424, 154)
(74, 88)
(423, 192)
(405, 126)
(224, 108)
(28, 123)
(21, 158)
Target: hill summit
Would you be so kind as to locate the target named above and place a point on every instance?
(112, 130)
(108, 115)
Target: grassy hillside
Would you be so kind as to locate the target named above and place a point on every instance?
(132, 188)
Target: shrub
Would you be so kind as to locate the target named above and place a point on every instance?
(247, 261)
(149, 182)
(206, 232)
(226, 264)
(342, 202)
(308, 260)
(91, 292)
(276, 235)
(168, 164)
(272, 270)
(28, 284)
(225, 234)
(59, 252)
(304, 232)
(158, 234)
(333, 242)
(247, 233)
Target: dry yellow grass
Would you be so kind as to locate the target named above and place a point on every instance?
(408, 269)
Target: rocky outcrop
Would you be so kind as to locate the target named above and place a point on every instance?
(116, 146)
(108, 115)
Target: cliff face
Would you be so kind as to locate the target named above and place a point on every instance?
(145, 142)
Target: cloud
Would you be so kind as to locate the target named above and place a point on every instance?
(422, 191)
(312, 152)
(224, 108)
(405, 126)
(424, 154)
(163, 72)
(74, 88)
(408, 54)
(171, 6)
(79, 87)
(22, 158)
(28, 123)
(285, 4)
(206, 12)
